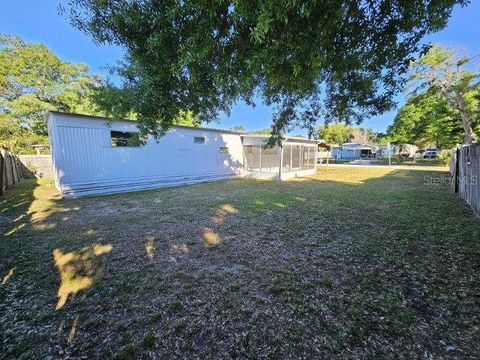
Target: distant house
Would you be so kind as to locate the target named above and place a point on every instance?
(324, 151)
(353, 151)
(407, 150)
(386, 150)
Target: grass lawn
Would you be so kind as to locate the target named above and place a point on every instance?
(437, 163)
(352, 262)
(410, 162)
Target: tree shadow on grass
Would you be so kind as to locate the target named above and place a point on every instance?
(78, 270)
(42, 263)
(365, 248)
(30, 202)
(30, 213)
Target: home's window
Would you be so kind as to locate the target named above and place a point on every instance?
(120, 138)
(199, 139)
(224, 149)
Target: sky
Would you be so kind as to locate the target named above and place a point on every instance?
(39, 21)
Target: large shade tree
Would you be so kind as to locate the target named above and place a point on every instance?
(17, 138)
(34, 80)
(443, 72)
(306, 58)
(443, 106)
(427, 120)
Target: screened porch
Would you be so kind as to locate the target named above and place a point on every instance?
(296, 157)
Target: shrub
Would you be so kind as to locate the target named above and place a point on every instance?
(445, 156)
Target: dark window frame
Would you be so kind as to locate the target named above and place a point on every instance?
(121, 138)
(199, 140)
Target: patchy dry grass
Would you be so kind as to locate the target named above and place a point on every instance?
(350, 263)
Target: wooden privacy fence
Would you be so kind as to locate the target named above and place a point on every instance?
(465, 172)
(11, 170)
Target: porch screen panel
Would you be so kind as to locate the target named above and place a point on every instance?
(260, 158)
(287, 151)
(306, 157)
(311, 156)
(252, 157)
(257, 160)
(270, 159)
(296, 157)
(248, 151)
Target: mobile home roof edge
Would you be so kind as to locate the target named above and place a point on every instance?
(285, 138)
(96, 117)
(134, 121)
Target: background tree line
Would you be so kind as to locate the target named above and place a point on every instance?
(442, 108)
(443, 105)
(339, 60)
(339, 133)
(34, 80)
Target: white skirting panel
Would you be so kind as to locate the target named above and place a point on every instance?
(113, 187)
(262, 175)
(268, 175)
(299, 173)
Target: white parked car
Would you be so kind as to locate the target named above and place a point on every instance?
(430, 153)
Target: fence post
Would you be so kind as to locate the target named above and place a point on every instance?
(457, 168)
(14, 163)
(11, 168)
(17, 166)
(2, 164)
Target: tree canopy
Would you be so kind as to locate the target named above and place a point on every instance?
(239, 128)
(443, 108)
(362, 135)
(33, 80)
(336, 133)
(338, 57)
(16, 138)
(339, 133)
(426, 120)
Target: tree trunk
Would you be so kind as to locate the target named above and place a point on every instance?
(459, 103)
(467, 130)
(467, 125)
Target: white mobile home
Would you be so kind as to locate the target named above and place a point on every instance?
(406, 150)
(353, 151)
(95, 155)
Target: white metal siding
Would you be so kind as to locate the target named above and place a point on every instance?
(86, 163)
